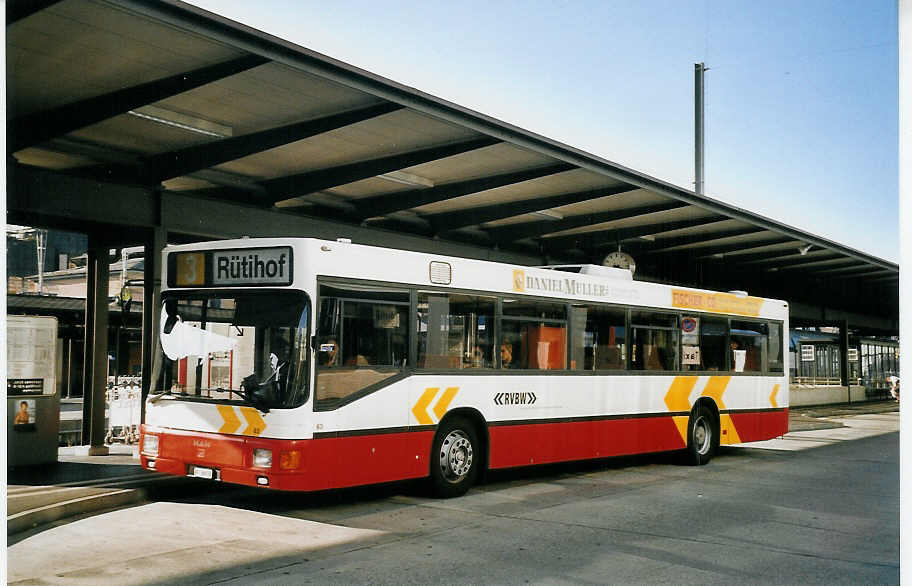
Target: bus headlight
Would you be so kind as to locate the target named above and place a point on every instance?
(150, 445)
(262, 458)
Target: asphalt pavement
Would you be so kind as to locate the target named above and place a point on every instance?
(822, 507)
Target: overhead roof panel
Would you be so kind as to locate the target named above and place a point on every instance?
(268, 96)
(632, 219)
(491, 160)
(91, 48)
(389, 134)
(555, 184)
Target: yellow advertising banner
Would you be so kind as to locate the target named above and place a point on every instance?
(716, 302)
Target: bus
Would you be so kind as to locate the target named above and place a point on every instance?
(306, 364)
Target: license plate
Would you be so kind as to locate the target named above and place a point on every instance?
(200, 472)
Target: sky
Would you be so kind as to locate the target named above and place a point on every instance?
(801, 95)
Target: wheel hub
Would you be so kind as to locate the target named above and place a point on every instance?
(702, 436)
(456, 456)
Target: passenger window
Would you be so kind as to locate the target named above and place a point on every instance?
(775, 364)
(703, 342)
(598, 338)
(748, 346)
(533, 334)
(654, 340)
(362, 338)
(455, 331)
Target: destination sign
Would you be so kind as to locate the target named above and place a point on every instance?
(221, 268)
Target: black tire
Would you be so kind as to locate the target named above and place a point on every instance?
(702, 437)
(455, 457)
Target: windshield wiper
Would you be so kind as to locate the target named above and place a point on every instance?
(247, 397)
(156, 397)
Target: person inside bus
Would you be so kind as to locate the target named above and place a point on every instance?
(329, 353)
(506, 355)
(478, 360)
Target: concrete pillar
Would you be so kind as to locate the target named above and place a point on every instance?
(844, 356)
(96, 349)
(152, 273)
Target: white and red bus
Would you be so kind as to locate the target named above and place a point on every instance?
(304, 364)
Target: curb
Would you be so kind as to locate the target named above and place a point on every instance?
(32, 518)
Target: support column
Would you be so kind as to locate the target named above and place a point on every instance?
(152, 272)
(96, 350)
(844, 356)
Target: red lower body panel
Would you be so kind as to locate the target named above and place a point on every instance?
(542, 443)
(337, 462)
(755, 426)
(322, 463)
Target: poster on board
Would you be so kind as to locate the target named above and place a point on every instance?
(25, 415)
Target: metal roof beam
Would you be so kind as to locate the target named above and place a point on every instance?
(540, 228)
(672, 245)
(884, 279)
(771, 255)
(808, 260)
(394, 202)
(867, 274)
(187, 160)
(449, 221)
(26, 131)
(593, 241)
(720, 249)
(290, 186)
(814, 264)
(856, 267)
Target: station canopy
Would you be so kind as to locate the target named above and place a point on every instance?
(166, 96)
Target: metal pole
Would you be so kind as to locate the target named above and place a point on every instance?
(698, 127)
(41, 242)
(151, 294)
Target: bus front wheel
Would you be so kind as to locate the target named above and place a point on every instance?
(702, 436)
(455, 457)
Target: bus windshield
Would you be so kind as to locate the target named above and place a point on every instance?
(244, 345)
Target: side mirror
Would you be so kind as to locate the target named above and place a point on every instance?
(171, 311)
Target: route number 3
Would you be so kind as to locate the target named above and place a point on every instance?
(190, 268)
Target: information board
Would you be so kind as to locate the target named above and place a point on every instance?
(31, 347)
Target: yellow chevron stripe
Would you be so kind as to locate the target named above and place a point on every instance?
(681, 423)
(728, 430)
(715, 388)
(255, 423)
(773, 397)
(678, 396)
(420, 408)
(441, 407)
(231, 421)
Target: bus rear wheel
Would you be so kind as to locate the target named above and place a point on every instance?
(702, 437)
(455, 457)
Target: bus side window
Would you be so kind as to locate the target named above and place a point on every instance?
(748, 346)
(455, 330)
(598, 338)
(536, 332)
(703, 342)
(655, 339)
(362, 337)
(775, 364)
